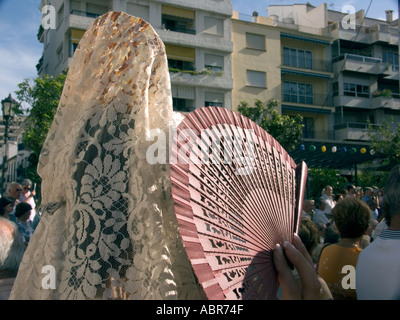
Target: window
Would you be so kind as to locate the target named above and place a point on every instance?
(178, 20)
(297, 58)
(255, 41)
(179, 57)
(213, 104)
(335, 86)
(95, 10)
(74, 46)
(308, 129)
(74, 38)
(60, 54)
(138, 10)
(182, 105)
(256, 78)
(181, 65)
(213, 99)
(214, 62)
(391, 58)
(298, 92)
(356, 90)
(214, 26)
(60, 16)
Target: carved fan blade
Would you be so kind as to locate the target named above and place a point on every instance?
(234, 190)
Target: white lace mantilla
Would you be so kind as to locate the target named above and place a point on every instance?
(109, 230)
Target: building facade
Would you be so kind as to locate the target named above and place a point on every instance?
(196, 34)
(336, 72)
(340, 72)
(362, 58)
(273, 61)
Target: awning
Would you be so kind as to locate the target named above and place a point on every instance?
(305, 73)
(180, 53)
(178, 12)
(76, 35)
(307, 39)
(305, 109)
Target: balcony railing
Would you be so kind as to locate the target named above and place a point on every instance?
(314, 64)
(181, 65)
(85, 14)
(359, 58)
(317, 99)
(177, 24)
(180, 29)
(352, 131)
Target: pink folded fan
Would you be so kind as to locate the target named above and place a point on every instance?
(236, 193)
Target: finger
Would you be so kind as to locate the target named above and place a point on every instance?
(290, 287)
(311, 287)
(299, 245)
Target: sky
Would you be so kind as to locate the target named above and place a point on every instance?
(20, 50)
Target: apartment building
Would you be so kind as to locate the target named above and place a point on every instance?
(363, 55)
(196, 34)
(278, 60)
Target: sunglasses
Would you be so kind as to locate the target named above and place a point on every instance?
(18, 190)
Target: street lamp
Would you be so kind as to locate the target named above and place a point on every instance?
(8, 107)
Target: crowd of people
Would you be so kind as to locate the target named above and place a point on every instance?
(352, 235)
(354, 232)
(18, 220)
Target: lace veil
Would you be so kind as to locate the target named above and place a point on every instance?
(108, 228)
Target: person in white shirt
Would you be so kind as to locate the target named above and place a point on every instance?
(377, 271)
(329, 201)
(27, 195)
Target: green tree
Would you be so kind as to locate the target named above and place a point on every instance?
(285, 129)
(319, 178)
(385, 139)
(42, 95)
(369, 178)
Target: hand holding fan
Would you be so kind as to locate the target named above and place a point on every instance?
(237, 193)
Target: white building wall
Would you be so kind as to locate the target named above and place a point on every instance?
(205, 41)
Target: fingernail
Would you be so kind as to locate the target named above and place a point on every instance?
(286, 243)
(278, 247)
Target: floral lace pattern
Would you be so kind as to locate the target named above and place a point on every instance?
(114, 234)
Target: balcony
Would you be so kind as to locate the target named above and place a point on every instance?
(85, 14)
(312, 64)
(384, 33)
(353, 101)
(205, 78)
(81, 20)
(390, 101)
(378, 32)
(352, 131)
(169, 25)
(317, 99)
(358, 63)
(178, 20)
(364, 64)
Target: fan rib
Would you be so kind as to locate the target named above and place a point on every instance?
(230, 222)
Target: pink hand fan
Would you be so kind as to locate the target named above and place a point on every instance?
(236, 193)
